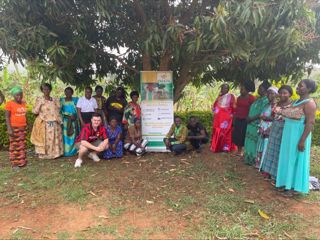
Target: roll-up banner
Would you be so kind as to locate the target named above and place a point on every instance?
(156, 107)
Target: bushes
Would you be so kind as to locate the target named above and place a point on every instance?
(4, 139)
(204, 116)
(206, 119)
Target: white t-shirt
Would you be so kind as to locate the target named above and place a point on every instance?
(87, 105)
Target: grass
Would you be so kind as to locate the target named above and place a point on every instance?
(199, 200)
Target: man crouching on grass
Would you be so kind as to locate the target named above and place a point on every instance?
(92, 140)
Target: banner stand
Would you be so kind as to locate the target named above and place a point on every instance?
(156, 89)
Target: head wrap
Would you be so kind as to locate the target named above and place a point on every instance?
(274, 89)
(15, 90)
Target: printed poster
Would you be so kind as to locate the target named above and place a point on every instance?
(157, 107)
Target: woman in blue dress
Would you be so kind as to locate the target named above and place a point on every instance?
(114, 134)
(70, 122)
(294, 158)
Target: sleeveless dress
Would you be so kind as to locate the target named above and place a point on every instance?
(294, 166)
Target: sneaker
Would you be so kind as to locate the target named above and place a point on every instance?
(94, 157)
(78, 163)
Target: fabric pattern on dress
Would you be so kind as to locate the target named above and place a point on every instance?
(70, 127)
(112, 136)
(49, 113)
(223, 109)
(251, 139)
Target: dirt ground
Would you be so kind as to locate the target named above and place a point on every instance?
(158, 196)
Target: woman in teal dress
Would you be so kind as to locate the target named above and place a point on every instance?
(250, 144)
(294, 158)
(70, 122)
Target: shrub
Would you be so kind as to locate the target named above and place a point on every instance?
(206, 119)
(4, 139)
(204, 116)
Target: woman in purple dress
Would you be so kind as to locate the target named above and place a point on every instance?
(114, 134)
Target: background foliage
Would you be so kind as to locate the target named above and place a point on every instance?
(202, 42)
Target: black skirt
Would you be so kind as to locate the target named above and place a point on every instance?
(86, 117)
(239, 131)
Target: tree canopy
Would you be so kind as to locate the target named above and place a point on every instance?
(200, 41)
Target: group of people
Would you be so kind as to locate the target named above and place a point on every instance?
(270, 132)
(89, 125)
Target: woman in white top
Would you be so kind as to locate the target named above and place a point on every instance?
(86, 106)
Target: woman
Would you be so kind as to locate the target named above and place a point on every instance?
(132, 110)
(222, 109)
(101, 101)
(134, 142)
(270, 159)
(294, 158)
(116, 104)
(244, 102)
(265, 125)
(86, 107)
(16, 126)
(47, 132)
(70, 122)
(250, 145)
(115, 143)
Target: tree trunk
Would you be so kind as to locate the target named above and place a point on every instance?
(182, 81)
(165, 61)
(146, 62)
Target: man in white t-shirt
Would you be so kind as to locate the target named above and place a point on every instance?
(86, 106)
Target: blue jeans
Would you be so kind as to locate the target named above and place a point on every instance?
(176, 148)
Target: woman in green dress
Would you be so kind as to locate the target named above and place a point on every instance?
(294, 158)
(70, 122)
(250, 144)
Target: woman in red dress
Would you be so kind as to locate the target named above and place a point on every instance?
(223, 109)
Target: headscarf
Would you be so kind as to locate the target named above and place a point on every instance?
(15, 90)
(274, 89)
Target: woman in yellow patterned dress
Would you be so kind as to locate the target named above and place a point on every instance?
(47, 132)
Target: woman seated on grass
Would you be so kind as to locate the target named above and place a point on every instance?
(177, 143)
(16, 125)
(114, 134)
(134, 142)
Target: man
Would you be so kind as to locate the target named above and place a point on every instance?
(177, 143)
(92, 140)
(86, 107)
(197, 134)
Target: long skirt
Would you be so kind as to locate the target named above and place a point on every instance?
(250, 145)
(221, 134)
(53, 147)
(294, 166)
(239, 131)
(69, 139)
(17, 147)
(271, 157)
(107, 154)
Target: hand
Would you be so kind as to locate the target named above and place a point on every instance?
(263, 117)
(301, 146)
(100, 148)
(73, 117)
(113, 148)
(125, 126)
(10, 131)
(167, 142)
